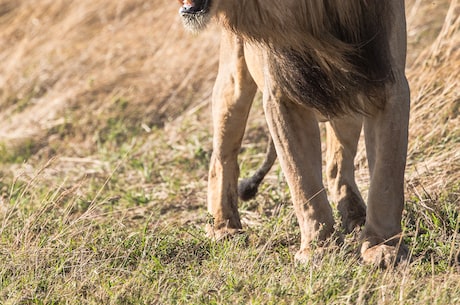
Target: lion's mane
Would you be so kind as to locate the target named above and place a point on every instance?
(331, 55)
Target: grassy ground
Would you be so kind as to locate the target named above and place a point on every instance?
(104, 148)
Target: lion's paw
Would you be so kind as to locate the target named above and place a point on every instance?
(353, 212)
(383, 256)
(302, 257)
(311, 256)
(354, 224)
(223, 233)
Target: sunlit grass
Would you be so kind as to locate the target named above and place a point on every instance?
(114, 236)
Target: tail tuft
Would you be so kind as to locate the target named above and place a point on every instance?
(247, 188)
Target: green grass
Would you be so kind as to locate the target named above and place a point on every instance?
(128, 228)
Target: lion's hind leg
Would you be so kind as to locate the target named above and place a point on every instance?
(342, 140)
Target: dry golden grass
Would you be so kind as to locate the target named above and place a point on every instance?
(434, 152)
(63, 58)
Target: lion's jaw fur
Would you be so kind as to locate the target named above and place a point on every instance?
(327, 54)
(197, 21)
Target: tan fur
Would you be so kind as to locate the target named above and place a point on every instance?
(327, 35)
(315, 59)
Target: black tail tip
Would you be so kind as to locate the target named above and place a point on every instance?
(247, 189)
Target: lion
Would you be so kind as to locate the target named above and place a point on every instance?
(336, 61)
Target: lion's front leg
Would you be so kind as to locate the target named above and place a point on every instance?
(296, 136)
(386, 143)
(232, 98)
(386, 135)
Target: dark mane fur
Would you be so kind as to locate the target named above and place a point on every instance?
(328, 54)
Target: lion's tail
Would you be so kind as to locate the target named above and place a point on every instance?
(247, 188)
